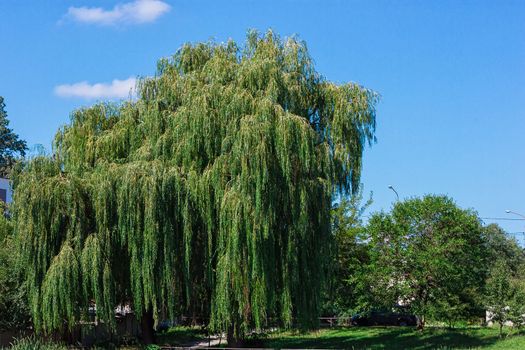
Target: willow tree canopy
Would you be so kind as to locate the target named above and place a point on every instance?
(209, 195)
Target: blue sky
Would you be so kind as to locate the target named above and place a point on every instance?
(451, 75)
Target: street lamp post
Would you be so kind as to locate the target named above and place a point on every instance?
(393, 189)
(513, 212)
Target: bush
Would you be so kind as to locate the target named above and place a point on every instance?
(33, 343)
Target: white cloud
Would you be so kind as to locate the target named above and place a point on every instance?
(136, 12)
(116, 89)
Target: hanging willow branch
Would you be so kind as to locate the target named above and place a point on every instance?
(210, 195)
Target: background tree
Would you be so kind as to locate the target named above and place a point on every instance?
(499, 294)
(427, 255)
(10, 145)
(350, 254)
(209, 194)
(505, 286)
(14, 313)
(502, 247)
(516, 312)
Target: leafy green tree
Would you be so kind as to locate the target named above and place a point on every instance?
(10, 145)
(505, 287)
(14, 313)
(349, 251)
(508, 260)
(427, 255)
(499, 294)
(517, 303)
(210, 194)
(501, 246)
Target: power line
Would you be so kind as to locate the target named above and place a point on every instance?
(483, 218)
(504, 219)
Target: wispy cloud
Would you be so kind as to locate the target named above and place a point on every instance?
(115, 89)
(136, 12)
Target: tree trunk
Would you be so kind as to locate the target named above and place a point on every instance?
(421, 323)
(501, 329)
(233, 338)
(146, 327)
(451, 324)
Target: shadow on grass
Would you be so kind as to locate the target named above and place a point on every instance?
(387, 338)
(180, 336)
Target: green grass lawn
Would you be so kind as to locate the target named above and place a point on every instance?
(358, 338)
(361, 338)
(393, 338)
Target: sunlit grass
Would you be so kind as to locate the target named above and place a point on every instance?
(394, 338)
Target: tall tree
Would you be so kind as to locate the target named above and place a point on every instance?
(503, 247)
(428, 255)
(10, 145)
(350, 254)
(499, 294)
(505, 286)
(14, 313)
(210, 194)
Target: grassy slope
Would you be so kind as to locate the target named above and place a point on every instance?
(395, 338)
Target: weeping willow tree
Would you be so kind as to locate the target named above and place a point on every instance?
(209, 195)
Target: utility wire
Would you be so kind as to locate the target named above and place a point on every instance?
(505, 219)
(482, 218)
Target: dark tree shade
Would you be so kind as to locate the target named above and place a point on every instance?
(210, 195)
(10, 145)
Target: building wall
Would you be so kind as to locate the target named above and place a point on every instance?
(5, 185)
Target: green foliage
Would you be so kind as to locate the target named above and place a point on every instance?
(152, 347)
(350, 253)
(501, 247)
(35, 343)
(14, 313)
(505, 286)
(516, 313)
(209, 195)
(428, 255)
(505, 295)
(499, 293)
(10, 145)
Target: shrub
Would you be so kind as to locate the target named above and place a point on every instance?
(33, 343)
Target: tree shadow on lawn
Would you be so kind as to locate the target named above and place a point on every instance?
(180, 336)
(388, 338)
